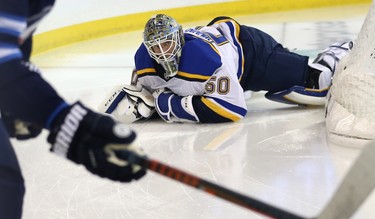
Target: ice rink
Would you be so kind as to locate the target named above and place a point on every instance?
(278, 154)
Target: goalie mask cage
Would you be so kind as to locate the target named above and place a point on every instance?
(350, 111)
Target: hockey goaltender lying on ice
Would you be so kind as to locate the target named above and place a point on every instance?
(200, 74)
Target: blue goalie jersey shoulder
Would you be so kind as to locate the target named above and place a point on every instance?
(198, 58)
(142, 58)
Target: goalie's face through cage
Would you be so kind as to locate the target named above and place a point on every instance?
(164, 38)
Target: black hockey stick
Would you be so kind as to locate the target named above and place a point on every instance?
(355, 187)
(353, 190)
(209, 187)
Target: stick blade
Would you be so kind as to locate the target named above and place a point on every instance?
(354, 188)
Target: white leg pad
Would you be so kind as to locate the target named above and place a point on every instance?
(298, 95)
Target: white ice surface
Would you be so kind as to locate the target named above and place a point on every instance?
(278, 154)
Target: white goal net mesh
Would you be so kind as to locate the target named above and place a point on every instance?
(351, 107)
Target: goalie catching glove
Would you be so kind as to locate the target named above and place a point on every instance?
(96, 141)
(129, 103)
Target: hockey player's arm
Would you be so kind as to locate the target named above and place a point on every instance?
(75, 132)
(203, 109)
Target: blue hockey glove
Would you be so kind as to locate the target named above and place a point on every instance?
(95, 141)
(19, 129)
(174, 108)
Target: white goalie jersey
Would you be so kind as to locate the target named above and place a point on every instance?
(207, 86)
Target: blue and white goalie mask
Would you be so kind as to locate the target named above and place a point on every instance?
(164, 38)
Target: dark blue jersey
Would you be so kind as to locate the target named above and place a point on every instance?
(23, 92)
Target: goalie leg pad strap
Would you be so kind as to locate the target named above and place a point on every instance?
(109, 104)
(298, 95)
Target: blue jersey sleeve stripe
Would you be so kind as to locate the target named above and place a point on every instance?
(9, 32)
(224, 109)
(12, 17)
(206, 114)
(239, 110)
(9, 52)
(235, 32)
(13, 25)
(8, 46)
(10, 57)
(52, 117)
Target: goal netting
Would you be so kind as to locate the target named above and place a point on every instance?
(350, 118)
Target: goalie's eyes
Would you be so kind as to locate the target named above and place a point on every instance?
(163, 48)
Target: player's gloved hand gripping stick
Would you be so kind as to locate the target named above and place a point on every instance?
(95, 141)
